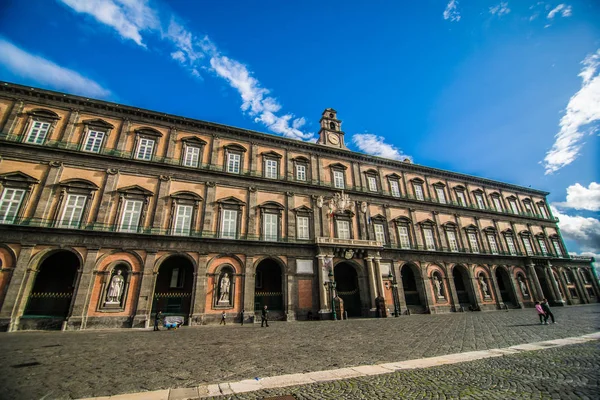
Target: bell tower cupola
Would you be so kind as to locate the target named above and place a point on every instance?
(331, 133)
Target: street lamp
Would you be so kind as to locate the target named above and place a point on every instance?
(331, 286)
(394, 292)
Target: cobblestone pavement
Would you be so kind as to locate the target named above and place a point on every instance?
(569, 372)
(104, 362)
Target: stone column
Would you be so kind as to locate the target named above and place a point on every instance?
(326, 219)
(550, 276)
(199, 303)
(13, 117)
(321, 275)
(499, 300)
(427, 294)
(69, 129)
(123, 135)
(146, 293)
(516, 289)
(172, 143)
(378, 278)
(314, 168)
(475, 287)
(251, 223)
(372, 282)
(401, 299)
(581, 286)
(249, 285)
(391, 227)
(209, 205)
(42, 208)
(16, 290)
(253, 158)
(160, 204)
(214, 152)
(538, 294)
(83, 294)
(290, 229)
(561, 278)
(105, 204)
(452, 292)
(316, 217)
(291, 290)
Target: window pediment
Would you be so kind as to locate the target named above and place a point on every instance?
(235, 147)
(17, 177)
(402, 220)
(511, 198)
(338, 166)
(427, 222)
(378, 218)
(147, 131)
(193, 141)
(301, 159)
(344, 214)
(524, 233)
(271, 154)
(185, 195)
(495, 194)
(231, 201)
(43, 113)
(508, 232)
(135, 190)
(303, 210)
(371, 171)
(540, 235)
(418, 181)
(450, 226)
(459, 188)
(79, 184)
(490, 229)
(272, 205)
(439, 184)
(98, 123)
(471, 227)
(478, 191)
(393, 176)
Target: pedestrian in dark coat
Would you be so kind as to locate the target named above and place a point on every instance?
(242, 317)
(223, 316)
(264, 319)
(546, 308)
(157, 318)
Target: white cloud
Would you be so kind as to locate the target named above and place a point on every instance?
(582, 198)
(582, 111)
(178, 56)
(562, 9)
(583, 230)
(127, 17)
(451, 12)
(375, 145)
(500, 9)
(44, 71)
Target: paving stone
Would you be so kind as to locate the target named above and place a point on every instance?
(184, 394)
(154, 395)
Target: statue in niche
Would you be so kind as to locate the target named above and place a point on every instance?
(484, 286)
(115, 288)
(523, 286)
(438, 286)
(224, 289)
(363, 207)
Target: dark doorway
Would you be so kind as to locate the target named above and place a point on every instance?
(174, 284)
(409, 284)
(268, 286)
(347, 288)
(547, 291)
(505, 286)
(462, 286)
(53, 287)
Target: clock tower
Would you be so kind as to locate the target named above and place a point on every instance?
(331, 130)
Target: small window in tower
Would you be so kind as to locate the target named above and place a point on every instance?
(332, 126)
(330, 115)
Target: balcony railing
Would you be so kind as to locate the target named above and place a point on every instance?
(256, 174)
(349, 242)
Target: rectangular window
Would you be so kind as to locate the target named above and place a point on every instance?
(473, 242)
(192, 156)
(419, 192)
(176, 278)
(452, 242)
(303, 229)
(300, 172)
(395, 188)
(229, 224)
(145, 148)
(379, 233)
(343, 229)
(338, 179)
(528, 207)
(528, 247)
(441, 195)
(37, 132)
(511, 245)
(429, 241)
(544, 211)
(543, 247)
(372, 182)
(462, 200)
(513, 206)
(130, 220)
(10, 204)
(493, 244)
(271, 169)
(497, 204)
(74, 206)
(183, 220)
(557, 248)
(93, 141)
(233, 163)
(480, 202)
(270, 227)
(404, 237)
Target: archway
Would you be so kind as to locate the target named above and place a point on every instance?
(411, 285)
(348, 288)
(462, 284)
(53, 287)
(268, 287)
(174, 285)
(506, 289)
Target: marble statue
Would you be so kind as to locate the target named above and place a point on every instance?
(438, 286)
(224, 289)
(363, 207)
(523, 287)
(320, 201)
(484, 286)
(115, 289)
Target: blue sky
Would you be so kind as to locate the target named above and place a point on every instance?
(505, 90)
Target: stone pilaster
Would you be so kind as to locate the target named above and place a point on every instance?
(535, 282)
(314, 168)
(292, 290)
(199, 302)
(561, 278)
(372, 282)
(323, 279)
(160, 204)
(81, 301)
(290, 230)
(172, 143)
(146, 293)
(552, 280)
(427, 293)
(69, 129)
(391, 226)
(110, 186)
(42, 209)
(124, 135)
(452, 290)
(254, 159)
(474, 282)
(16, 292)
(378, 277)
(580, 286)
(251, 223)
(249, 285)
(401, 298)
(13, 117)
(209, 208)
(499, 300)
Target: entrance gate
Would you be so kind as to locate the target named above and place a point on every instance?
(347, 288)
(173, 290)
(268, 287)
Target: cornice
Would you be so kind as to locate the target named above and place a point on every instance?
(68, 101)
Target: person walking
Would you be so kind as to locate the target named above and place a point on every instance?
(223, 316)
(242, 317)
(546, 308)
(157, 318)
(264, 317)
(540, 311)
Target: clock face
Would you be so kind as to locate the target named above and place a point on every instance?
(333, 139)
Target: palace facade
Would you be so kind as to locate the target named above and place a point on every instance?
(109, 213)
